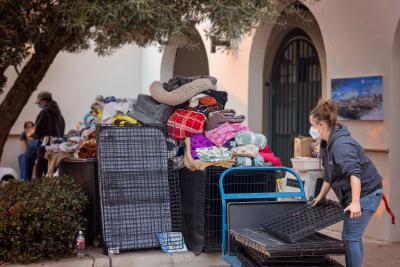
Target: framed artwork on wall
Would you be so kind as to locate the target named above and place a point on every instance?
(359, 98)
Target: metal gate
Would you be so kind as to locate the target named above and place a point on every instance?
(296, 88)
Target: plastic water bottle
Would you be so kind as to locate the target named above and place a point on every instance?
(80, 245)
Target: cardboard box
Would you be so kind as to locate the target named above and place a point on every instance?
(302, 146)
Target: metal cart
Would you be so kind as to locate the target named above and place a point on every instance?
(227, 198)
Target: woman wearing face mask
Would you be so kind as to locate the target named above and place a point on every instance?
(49, 124)
(351, 175)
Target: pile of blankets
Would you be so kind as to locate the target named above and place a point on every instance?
(191, 108)
(194, 112)
(73, 145)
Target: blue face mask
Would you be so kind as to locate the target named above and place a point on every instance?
(314, 133)
(41, 105)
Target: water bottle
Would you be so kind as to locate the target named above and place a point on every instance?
(80, 245)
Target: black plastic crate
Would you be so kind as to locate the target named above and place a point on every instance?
(271, 247)
(85, 174)
(139, 189)
(304, 221)
(318, 186)
(235, 182)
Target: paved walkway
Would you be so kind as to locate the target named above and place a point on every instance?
(379, 255)
(376, 254)
(95, 258)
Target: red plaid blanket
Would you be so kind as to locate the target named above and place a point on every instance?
(184, 123)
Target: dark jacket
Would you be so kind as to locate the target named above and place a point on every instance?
(49, 122)
(343, 157)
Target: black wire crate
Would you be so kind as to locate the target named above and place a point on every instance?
(235, 182)
(268, 246)
(304, 221)
(139, 188)
(252, 258)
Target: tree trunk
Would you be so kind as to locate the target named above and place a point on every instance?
(23, 87)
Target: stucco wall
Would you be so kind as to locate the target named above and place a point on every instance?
(353, 38)
(74, 80)
(394, 134)
(358, 37)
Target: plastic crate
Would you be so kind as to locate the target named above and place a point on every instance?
(304, 221)
(139, 189)
(306, 164)
(318, 186)
(248, 181)
(85, 174)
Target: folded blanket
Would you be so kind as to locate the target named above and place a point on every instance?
(246, 151)
(149, 111)
(247, 138)
(248, 161)
(123, 120)
(220, 117)
(199, 141)
(199, 165)
(213, 154)
(224, 132)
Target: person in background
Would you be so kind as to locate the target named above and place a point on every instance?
(49, 124)
(27, 159)
(91, 118)
(350, 173)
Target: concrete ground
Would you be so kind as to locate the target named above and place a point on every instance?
(379, 254)
(376, 254)
(95, 258)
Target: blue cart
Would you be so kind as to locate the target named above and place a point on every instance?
(232, 197)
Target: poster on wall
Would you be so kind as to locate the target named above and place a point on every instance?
(359, 98)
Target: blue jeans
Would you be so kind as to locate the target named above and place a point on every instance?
(353, 229)
(22, 166)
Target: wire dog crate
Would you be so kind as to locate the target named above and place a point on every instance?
(303, 221)
(139, 189)
(245, 242)
(252, 258)
(270, 247)
(244, 181)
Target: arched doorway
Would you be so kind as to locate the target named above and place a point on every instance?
(295, 89)
(184, 61)
(191, 61)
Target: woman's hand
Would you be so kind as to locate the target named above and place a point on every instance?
(322, 194)
(355, 210)
(318, 199)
